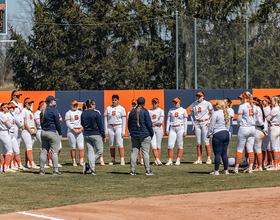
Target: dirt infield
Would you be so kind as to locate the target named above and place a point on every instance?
(247, 204)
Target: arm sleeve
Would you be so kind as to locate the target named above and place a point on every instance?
(123, 124)
(271, 115)
(168, 122)
(57, 122)
(6, 121)
(212, 125)
(105, 124)
(185, 121)
(17, 122)
(148, 123)
(210, 108)
(100, 125)
(192, 115)
(128, 122)
(240, 113)
(67, 120)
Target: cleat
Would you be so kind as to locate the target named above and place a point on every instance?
(14, 168)
(28, 166)
(215, 173)
(244, 164)
(235, 171)
(132, 173)
(46, 166)
(85, 168)
(169, 163)
(42, 172)
(177, 162)
(248, 171)
(59, 165)
(142, 163)
(75, 164)
(102, 163)
(159, 163)
(149, 173)
(122, 163)
(50, 164)
(272, 168)
(258, 169)
(22, 168)
(9, 170)
(93, 172)
(209, 162)
(112, 163)
(225, 172)
(35, 167)
(155, 163)
(268, 166)
(58, 172)
(82, 164)
(197, 162)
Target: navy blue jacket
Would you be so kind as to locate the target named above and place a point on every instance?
(92, 122)
(145, 123)
(51, 120)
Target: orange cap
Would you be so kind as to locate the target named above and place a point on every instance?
(199, 94)
(74, 102)
(12, 105)
(16, 93)
(155, 100)
(134, 101)
(176, 100)
(240, 97)
(43, 103)
(6, 105)
(265, 99)
(28, 101)
(255, 101)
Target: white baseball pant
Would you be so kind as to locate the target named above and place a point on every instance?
(75, 138)
(266, 142)
(27, 139)
(176, 133)
(246, 137)
(6, 145)
(157, 138)
(115, 136)
(258, 141)
(274, 135)
(39, 138)
(201, 132)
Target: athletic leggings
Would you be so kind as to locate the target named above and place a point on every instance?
(220, 143)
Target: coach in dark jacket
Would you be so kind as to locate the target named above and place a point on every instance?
(141, 132)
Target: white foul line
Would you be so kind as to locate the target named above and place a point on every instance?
(39, 216)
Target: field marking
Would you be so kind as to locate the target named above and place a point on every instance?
(39, 216)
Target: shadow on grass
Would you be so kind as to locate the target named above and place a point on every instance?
(120, 173)
(208, 173)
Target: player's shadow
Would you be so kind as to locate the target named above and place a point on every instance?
(122, 173)
(192, 172)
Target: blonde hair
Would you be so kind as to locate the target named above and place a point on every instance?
(222, 105)
(276, 98)
(249, 99)
(44, 111)
(138, 112)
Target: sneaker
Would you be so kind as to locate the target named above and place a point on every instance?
(268, 166)
(9, 170)
(209, 162)
(58, 172)
(235, 171)
(22, 168)
(169, 163)
(35, 167)
(28, 166)
(149, 173)
(197, 162)
(159, 163)
(248, 171)
(14, 168)
(258, 169)
(112, 163)
(155, 163)
(142, 163)
(75, 164)
(59, 165)
(42, 172)
(46, 166)
(122, 163)
(85, 168)
(177, 162)
(132, 173)
(102, 163)
(81, 164)
(50, 164)
(244, 164)
(272, 168)
(93, 172)
(215, 173)
(225, 172)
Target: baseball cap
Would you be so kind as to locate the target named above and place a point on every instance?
(74, 102)
(141, 100)
(28, 101)
(16, 93)
(4, 105)
(240, 97)
(50, 98)
(265, 99)
(134, 101)
(176, 100)
(155, 100)
(43, 103)
(199, 94)
(12, 105)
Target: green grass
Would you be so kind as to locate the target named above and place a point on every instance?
(27, 190)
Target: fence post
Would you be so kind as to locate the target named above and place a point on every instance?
(247, 51)
(177, 58)
(195, 57)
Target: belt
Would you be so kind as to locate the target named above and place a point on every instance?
(156, 125)
(11, 132)
(202, 120)
(273, 125)
(77, 128)
(32, 128)
(114, 125)
(38, 128)
(177, 125)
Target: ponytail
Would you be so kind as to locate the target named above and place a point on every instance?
(259, 104)
(222, 105)
(84, 107)
(137, 113)
(247, 95)
(44, 111)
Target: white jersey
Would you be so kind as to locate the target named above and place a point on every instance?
(37, 119)
(200, 111)
(157, 116)
(115, 114)
(4, 122)
(29, 118)
(73, 119)
(177, 117)
(274, 116)
(231, 115)
(246, 115)
(18, 112)
(267, 111)
(258, 116)
(14, 121)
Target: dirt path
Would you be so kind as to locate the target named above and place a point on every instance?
(244, 204)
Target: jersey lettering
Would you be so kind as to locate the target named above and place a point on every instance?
(251, 112)
(176, 114)
(30, 117)
(113, 113)
(76, 117)
(199, 109)
(154, 117)
(13, 121)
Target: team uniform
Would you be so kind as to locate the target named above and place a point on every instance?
(73, 121)
(231, 116)
(27, 138)
(266, 146)
(157, 117)
(200, 117)
(246, 134)
(38, 126)
(115, 123)
(273, 120)
(177, 123)
(6, 145)
(18, 115)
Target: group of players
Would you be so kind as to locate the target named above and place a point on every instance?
(258, 131)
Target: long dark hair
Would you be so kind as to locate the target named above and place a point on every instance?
(89, 102)
(258, 103)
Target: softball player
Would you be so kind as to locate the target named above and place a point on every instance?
(29, 132)
(273, 120)
(266, 146)
(261, 130)
(5, 140)
(18, 113)
(230, 113)
(246, 131)
(157, 117)
(115, 122)
(200, 110)
(176, 129)
(74, 133)
(15, 124)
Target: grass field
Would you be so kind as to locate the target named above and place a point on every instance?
(27, 190)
